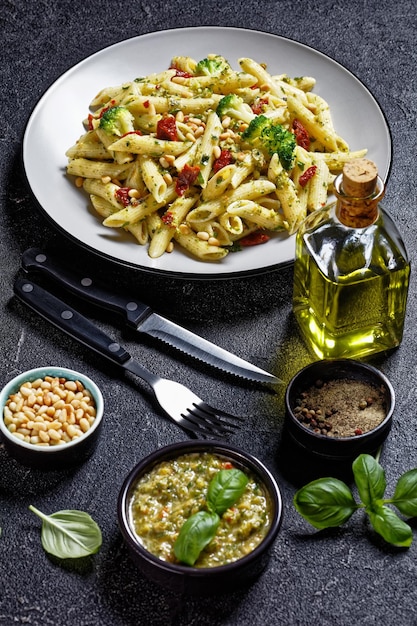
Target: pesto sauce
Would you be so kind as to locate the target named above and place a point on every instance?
(174, 490)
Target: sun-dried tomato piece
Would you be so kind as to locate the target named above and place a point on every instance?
(122, 195)
(167, 128)
(224, 159)
(186, 178)
(254, 239)
(301, 135)
(307, 175)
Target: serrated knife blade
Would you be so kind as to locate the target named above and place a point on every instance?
(142, 318)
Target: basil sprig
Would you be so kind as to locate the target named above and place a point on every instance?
(329, 502)
(224, 491)
(69, 534)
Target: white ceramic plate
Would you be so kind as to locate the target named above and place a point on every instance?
(56, 123)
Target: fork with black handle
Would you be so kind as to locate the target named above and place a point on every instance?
(177, 401)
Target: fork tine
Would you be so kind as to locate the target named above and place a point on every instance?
(204, 426)
(218, 414)
(209, 419)
(192, 427)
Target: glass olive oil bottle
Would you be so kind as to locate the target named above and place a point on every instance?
(351, 271)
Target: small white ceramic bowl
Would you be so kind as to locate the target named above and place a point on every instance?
(59, 456)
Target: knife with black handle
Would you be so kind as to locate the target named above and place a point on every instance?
(141, 317)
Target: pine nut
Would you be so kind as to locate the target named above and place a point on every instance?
(43, 435)
(50, 411)
(54, 435)
(184, 229)
(84, 424)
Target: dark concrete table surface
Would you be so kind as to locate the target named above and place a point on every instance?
(343, 577)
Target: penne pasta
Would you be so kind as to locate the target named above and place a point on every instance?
(167, 227)
(152, 177)
(253, 212)
(161, 160)
(147, 144)
(87, 168)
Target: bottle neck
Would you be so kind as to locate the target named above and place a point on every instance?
(357, 212)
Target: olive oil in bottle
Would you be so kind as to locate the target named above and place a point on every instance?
(351, 271)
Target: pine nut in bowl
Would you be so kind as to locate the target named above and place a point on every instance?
(51, 417)
(200, 517)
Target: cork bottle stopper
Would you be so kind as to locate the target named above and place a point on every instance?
(359, 178)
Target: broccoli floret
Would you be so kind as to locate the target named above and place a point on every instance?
(213, 65)
(268, 137)
(234, 106)
(117, 121)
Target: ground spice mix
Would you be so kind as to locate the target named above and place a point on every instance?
(341, 407)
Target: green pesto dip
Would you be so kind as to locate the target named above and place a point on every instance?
(176, 489)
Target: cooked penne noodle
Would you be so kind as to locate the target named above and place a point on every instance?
(232, 223)
(147, 144)
(133, 213)
(336, 160)
(152, 177)
(97, 169)
(187, 157)
(104, 208)
(254, 212)
(294, 213)
(279, 88)
(166, 229)
(318, 187)
(209, 140)
(208, 211)
(200, 248)
(184, 63)
(218, 183)
(324, 134)
(134, 179)
(107, 191)
(303, 162)
(243, 169)
(107, 141)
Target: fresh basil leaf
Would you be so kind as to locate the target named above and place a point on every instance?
(225, 489)
(69, 534)
(405, 495)
(387, 524)
(369, 478)
(325, 502)
(195, 534)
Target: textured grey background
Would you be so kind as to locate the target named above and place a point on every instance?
(347, 576)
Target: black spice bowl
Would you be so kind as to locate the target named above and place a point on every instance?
(308, 453)
(184, 579)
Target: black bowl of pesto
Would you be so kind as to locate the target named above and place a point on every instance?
(200, 517)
